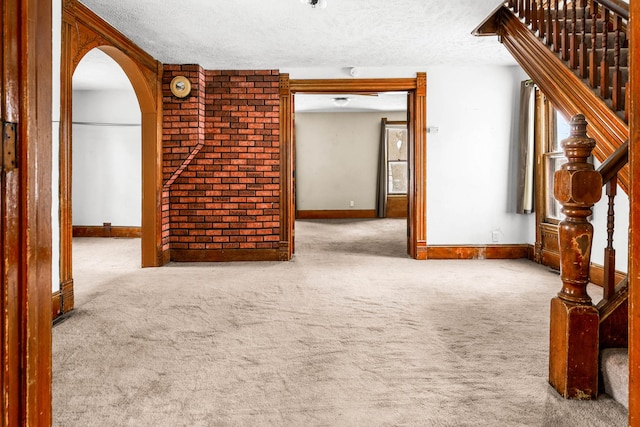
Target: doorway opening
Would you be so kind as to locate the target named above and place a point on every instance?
(106, 170)
(415, 89)
(343, 169)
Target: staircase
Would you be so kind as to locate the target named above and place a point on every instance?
(577, 52)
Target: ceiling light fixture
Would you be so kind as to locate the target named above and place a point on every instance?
(322, 4)
(341, 101)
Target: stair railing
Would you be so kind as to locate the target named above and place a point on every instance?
(609, 171)
(589, 35)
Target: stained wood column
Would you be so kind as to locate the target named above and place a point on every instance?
(287, 216)
(634, 220)
(418, 162)
(573, 351)
(65, 150)
(25, 214)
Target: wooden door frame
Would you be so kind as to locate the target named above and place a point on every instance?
(83, 31)
(634, 220)
(25, 215)
(416, 123)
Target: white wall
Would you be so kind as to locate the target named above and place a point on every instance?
(471, 161)
(337, 159)
(107, 159)
(621, 230)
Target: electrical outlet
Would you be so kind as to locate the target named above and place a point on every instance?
(352, 203)
(495, 236)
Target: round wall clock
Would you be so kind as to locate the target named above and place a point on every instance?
(180, 86)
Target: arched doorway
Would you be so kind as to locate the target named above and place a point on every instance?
(82, 31)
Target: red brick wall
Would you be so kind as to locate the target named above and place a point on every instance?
(221, 166)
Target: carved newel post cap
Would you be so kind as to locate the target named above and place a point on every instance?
(577, 184)
(577, 147)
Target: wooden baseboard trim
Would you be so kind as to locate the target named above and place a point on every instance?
(106, 230)
(479, 252)
(224, 255)
(164, 257)
(55, 305)
(67, 297)
(422, 250)
(336, 214)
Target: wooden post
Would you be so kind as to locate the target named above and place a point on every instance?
(573, 351)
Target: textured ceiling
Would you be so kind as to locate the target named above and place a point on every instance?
(275, 34)
(284, 34)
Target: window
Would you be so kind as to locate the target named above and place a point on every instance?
(396, 136)
(553, 159)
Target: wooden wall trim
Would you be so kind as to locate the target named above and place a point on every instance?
(56, 305)
(634, 221)
(416, 123)
(287, 209)
(479, 252)
(418, 163)
(224, 255)
(568, 93)
(25, 215)
(397, 206)
(82, 30)
(106, 231)
(352, 85)
(336, 214)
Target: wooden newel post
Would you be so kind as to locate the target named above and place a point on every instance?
(573, 352)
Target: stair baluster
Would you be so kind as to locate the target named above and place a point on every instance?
(604, 64)
(609, 251)
(533, 13)
(593, 58)
(542, 26)
(549, 24)
(616, 95)
(556, 28)
(609, 170)
(565, 33)
(573, 42)
(583, 65)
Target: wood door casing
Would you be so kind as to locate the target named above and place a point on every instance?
(416, 119)
(25, 215)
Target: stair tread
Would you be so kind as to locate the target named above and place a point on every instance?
(615, 373)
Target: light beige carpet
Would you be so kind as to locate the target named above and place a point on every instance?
(349, 333)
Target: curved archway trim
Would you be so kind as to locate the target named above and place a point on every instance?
(83, 31)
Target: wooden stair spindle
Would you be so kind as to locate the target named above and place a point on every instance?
(557, 33)
(593, 57)
(583, 64)
(565, 33)
(542, 25)
(573, 359)
(519, 10)
(573, 38)
(604, 64)
(609, 251)
(549, 24)
(533, 13)
(616, 79)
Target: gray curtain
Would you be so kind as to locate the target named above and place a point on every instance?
(381, 193)
(526, 140)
